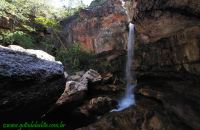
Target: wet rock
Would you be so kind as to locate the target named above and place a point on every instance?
(97, 106)
(101, 105)
(146, 115)
(28, 79)
(178, 97)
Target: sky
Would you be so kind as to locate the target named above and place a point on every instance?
(60, 3)
(87, 2)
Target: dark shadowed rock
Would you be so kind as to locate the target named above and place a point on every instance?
(31, 81)
(167, 56)
(146, 115)
(180, 97)
(98, 106)
(90, 110)
(103, 89)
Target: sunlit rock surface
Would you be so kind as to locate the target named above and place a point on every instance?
(98, 29)
(38, 53)
(30, 64)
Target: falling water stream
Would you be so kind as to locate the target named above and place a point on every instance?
(128, 98)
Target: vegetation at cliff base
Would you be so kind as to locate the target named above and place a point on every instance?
(75, 58)
(36, 24)
(25, 22)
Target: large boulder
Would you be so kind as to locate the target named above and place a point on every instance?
(30, 82)
(74, 93)
(76, 90)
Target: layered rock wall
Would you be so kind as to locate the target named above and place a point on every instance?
(167, 59)
(97, 29)
(168, 34)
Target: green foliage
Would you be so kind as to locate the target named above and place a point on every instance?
(66, 12)
(69, 10)
(7, 9)
(18, 37)
(26, 16)
(47, 22)
(105, 64)
(75, 58)
(47, 45)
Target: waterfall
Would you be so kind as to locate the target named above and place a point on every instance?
(128, 98)
(129, 74)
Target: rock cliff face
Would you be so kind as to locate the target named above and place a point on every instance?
(31, 81)
(167, 64)
(168, 36)
(98, 29)
(168, 55)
